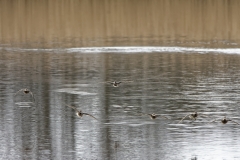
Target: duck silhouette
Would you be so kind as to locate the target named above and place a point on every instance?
(25, 91)
(192, 116)
(153, 115)
(79, 113)
(225, 120)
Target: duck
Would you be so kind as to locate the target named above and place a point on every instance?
(79, 113)
(225, 120)
(153, 115)
(25, 91)
(192, 116)
(115, 83)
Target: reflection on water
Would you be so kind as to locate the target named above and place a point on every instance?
(170, 84)
(54, 24)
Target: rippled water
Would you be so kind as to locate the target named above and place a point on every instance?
(166, 82)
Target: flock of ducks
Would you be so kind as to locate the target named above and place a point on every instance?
(79, 113)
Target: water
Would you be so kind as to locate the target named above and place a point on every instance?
(173, 57)
(169, 83)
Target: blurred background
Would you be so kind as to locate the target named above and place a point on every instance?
(78, 23)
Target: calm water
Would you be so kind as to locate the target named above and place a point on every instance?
(169, 83)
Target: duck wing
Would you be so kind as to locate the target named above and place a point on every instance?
(127, 81)
(18, 92)
(72, 107)
(213, 121)
(32, 96)
(158, 115)
(183, 118)
(234, 121)
(90, 115)
(203, 115)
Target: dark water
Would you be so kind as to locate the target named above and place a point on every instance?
(169, 83)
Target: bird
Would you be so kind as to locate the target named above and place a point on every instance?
(225, 120)
(25, 91)
(115, 83)
(153, 115)
(79, 113)
(192, 116)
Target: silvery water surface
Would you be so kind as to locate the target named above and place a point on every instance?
(168, 81)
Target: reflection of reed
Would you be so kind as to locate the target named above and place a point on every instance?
(119, 22)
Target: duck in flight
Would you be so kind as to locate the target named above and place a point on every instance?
(115, 83)
(192, 116)
(153, 115)
(225, 120)
(79, 113)
(25, 91)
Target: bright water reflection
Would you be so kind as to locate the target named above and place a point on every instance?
(171, 84)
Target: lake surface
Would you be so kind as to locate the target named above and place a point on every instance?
(163, 81)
